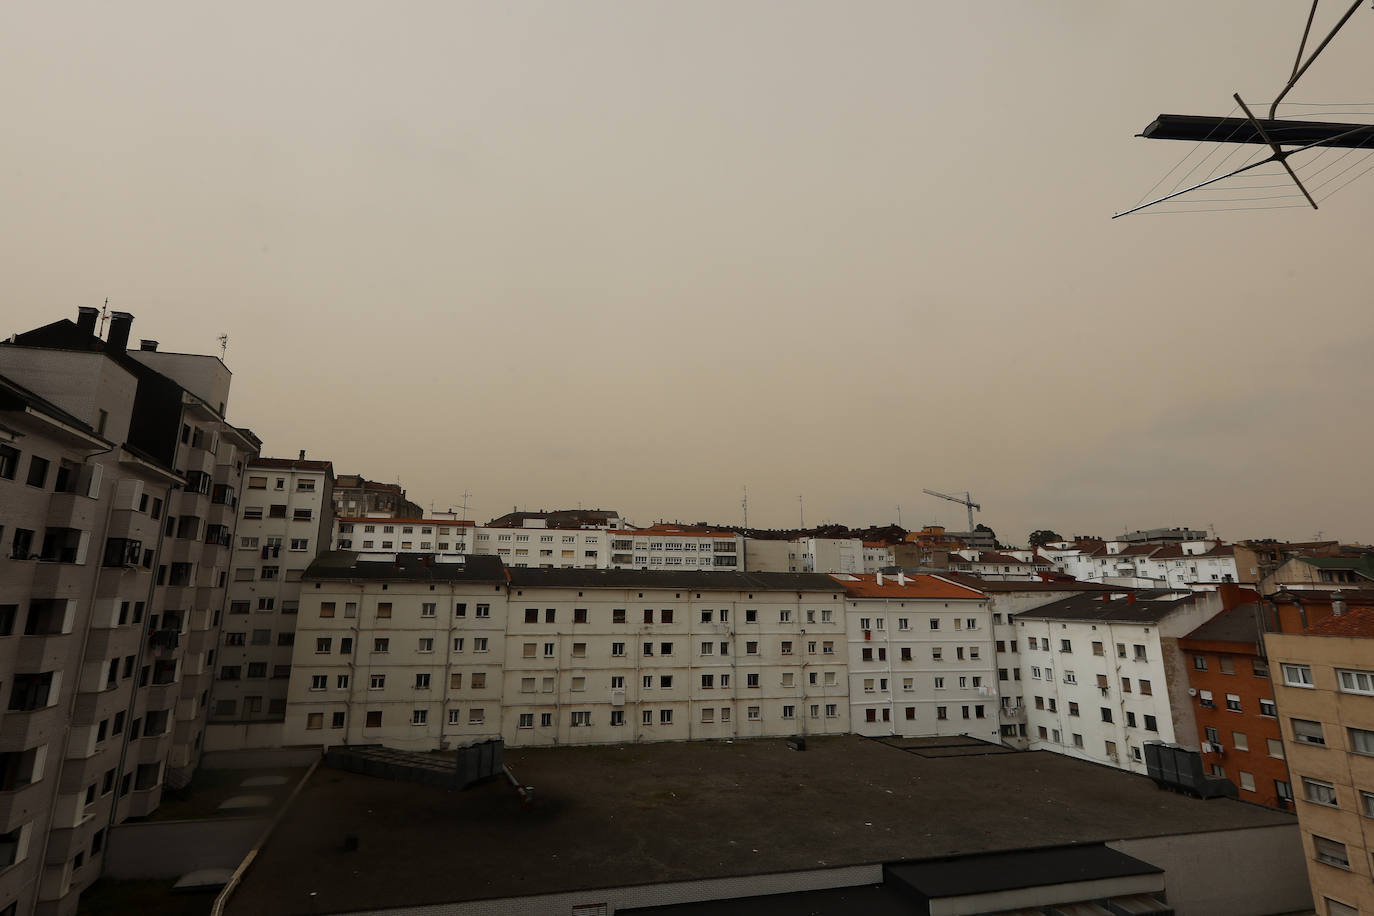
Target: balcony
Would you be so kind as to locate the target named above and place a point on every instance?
(1012, 713)
(20, 729)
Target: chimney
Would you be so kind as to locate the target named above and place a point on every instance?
(86, 318)
(901, 577)
(148, 346)
(117, 341)
(1337, 604)
(879, 579)
(302, 458)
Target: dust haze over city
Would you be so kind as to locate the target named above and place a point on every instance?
(644, 255)
(686, 458)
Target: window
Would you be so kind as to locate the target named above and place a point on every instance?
(1319, 792)
(9, 461)
(374, 719)
(617, 649)
(1336, 908)
(1361, 741)
(1145, 688)
(314, 720)
(326, 608)
(1297, 675)
(1204, 698)
(426, 644)
(1330, 852)
(1306, 731)
(1199, 663)
(1233, 702)
(476, 716)
(319, 681)
(483, 610)
(38, 471)
(422, 680)
(754, 713)
(1065, 645)
(1356, 681)
(1140, 653)
(581, 719)
(1150, 724)
(381, 645)
(419, 716)
(479, 643)
(1267, 708)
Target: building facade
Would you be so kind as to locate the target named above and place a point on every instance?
(1102, 675)
(285, 520)
(118, 475)
(1324, 688)
(543, 657)
(921, 659)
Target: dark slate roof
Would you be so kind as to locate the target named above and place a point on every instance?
(1239, 624)
(958, 876)
(995, 585)
(408, 567)
(684, 579)
(1147, 607)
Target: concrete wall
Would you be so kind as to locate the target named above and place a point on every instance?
(1245, 872)
(170, 849)
(233, 736)
(621, 898)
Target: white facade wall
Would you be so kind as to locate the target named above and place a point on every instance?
(922, 666)
(284, 513)
(1064, 667)
(541, 666)
(664, 550)
(411, 665)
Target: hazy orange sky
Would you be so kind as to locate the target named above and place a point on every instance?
(641, 254)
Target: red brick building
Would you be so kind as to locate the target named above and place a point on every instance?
(1233, 698)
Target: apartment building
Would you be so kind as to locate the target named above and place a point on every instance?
(285, 520)
(921, 659)
(1102, 673)
(1324, 688)
(355, 495)
(559, 656)
(662, 546)
(1237, 719)
(1132, 563)
(117, 476)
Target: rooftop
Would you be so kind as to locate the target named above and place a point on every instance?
(866, 585)
(291, 464)
(1239, 625)
(618, 815)
(409, 567)
(1134, 607)
(1358, 623)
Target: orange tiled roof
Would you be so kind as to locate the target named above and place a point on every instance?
(1357, 623)
(865, 585)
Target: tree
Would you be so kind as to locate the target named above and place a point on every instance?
(1042, 537)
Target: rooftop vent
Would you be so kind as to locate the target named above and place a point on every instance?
(149, 346)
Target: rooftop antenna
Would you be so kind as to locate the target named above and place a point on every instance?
(744, 504)
(104, 314)
(1298, 136)
(223, 346)
(464, 506)
(899, 515)
(801, 512)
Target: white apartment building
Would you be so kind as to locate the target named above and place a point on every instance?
(1183, 564)
(1102, 674)
(420, 653)
(921, 658)
(536, 547)
(285, 519)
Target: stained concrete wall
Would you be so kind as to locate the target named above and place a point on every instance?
(1245, 872)
(170, 849)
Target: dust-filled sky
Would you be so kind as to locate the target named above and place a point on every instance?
(640, 255)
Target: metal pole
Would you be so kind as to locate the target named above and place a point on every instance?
(1299, 71)
(1279, 155)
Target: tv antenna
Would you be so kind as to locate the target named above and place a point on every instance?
(104, 315)
(1297, 136)
(223, 345)
(744, 504)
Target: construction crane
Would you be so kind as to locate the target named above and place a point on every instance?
(967, 502)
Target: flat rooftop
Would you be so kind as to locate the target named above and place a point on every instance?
(618, 815)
